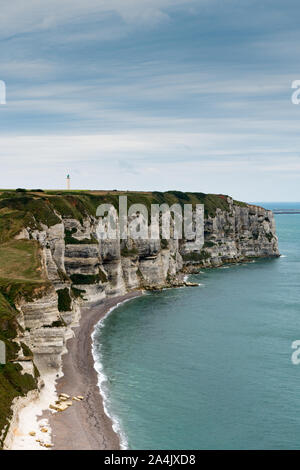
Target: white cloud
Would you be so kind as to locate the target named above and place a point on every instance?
(19, 17)
(188, 124)
(25, 69)
(142, 162)
(138, 147)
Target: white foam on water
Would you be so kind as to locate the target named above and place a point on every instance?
(103, 379)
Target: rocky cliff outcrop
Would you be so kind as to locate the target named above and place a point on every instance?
(88, 269)
(80, 267)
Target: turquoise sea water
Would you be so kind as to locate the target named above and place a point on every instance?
(210, 367)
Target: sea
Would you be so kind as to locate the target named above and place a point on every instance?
(209, 367)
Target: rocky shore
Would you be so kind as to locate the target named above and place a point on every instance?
(83, 276)
(90, 427)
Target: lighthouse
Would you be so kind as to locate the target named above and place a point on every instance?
(68, 182)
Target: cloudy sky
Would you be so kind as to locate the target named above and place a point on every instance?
(193, 95)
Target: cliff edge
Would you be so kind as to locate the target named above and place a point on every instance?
(53, 262)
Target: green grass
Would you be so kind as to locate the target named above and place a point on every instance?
(70, 240)
(12, 384)
(126, 252)
(20, 259)
(26, 350)
(82, 279)
(196, 257)
(12, 222)
(55, 324)
(78, 293)
(7, 312)
(20, 276)
(15, 289)
(38, 207)
(241, 204)
(31, 209)
(8, 327)
(21, 273)
(208, 244)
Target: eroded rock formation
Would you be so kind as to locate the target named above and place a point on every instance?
(81, 268)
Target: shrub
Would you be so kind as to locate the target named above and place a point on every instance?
(81, 279)
(64, 300)
(180, 195)
(78, 293)
(195, 256)
(129, 252)
(164, 243)
(70, 240)
(208, 244)
(26, 350)
(269, 236)
(102, 276)
(12, 384)
(56, 324)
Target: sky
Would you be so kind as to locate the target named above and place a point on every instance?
(190, 95)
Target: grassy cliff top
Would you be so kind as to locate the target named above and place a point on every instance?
(34, 208)
(28, 251)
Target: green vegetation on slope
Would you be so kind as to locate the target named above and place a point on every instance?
(12, 382)
(78, 293)
(20, 276)
(64, 300)
(70, 240)
(21, 270)
(8, 327)
(32, 209)
(126, 252)
(20, 259)
(196, 257)
(82, 279)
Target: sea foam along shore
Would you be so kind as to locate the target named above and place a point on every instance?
(103, 379)
(86, 425)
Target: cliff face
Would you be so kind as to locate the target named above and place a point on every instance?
(90, 270)
(77, 267)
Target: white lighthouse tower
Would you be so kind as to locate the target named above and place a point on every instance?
(68, 182)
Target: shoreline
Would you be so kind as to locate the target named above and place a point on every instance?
(102, 378)
(85, 425)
